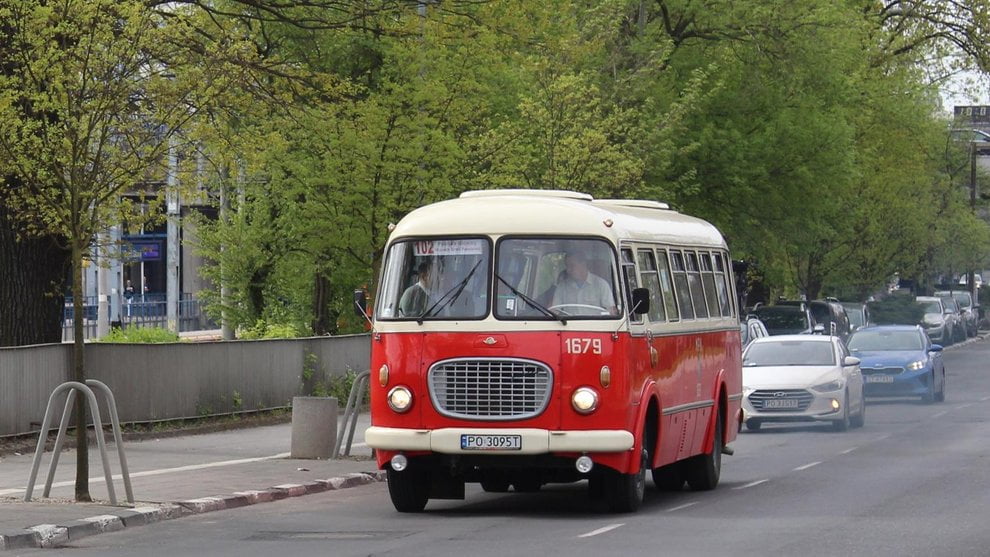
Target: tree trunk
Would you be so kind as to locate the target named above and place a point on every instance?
(79, 374)
(322, 324)
(32, 282)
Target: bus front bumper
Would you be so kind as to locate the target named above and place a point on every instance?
(531, 440)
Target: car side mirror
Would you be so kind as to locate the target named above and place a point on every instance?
(360, 303)
(850, 361)
(640, 301)
(935, 348)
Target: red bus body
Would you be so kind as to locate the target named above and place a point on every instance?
(666, 386)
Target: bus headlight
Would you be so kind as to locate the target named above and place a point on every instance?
(584, 400)
(400, 399)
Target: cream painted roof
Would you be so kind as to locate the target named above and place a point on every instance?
(498, 212)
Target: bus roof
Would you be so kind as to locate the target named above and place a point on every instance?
(554, 212)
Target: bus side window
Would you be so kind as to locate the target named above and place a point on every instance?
(694, 282)
(681, 285)
(667, 286)
(708, 281)
(651, 280)
(629, 281)
(722, 285)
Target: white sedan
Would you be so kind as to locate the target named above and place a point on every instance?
(795, 378)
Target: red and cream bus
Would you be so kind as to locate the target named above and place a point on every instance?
(525, 337)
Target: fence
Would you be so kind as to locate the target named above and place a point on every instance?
(142, 310)
(177, 380)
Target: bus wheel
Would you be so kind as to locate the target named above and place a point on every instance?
(625, 491)
(409, 490)
(704, 470)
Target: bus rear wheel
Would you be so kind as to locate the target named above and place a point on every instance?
(409, 490)
(703, 471)
(625, 491)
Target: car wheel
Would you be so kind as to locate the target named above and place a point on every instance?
(929, 395)
(843, 423)
(703, 471)
(940, 394)
(860, 419)
(753, 424)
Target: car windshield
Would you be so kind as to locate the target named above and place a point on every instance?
(885, 340)
(556, 278)
(855, 316)
(932, 306)
(436, 278)
(963, 299)
(789, 353)
(783, 318)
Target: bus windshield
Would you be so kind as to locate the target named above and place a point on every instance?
(556, 278)
(436, 278)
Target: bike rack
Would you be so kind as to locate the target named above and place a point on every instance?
(74, 387)
(351, 413)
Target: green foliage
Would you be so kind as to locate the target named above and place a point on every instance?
(237, 402)
(339, 387)
(140, 335)
(896, 310)
(266, 330)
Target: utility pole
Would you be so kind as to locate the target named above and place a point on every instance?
(172, 209)
(971, 275)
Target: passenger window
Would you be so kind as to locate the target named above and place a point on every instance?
(694, 282)
(667, 286)
(722, 285)
(651, 280)
(681, 285)
(629, 277)
(708, 281)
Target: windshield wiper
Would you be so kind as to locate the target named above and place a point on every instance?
(531, 301)
(459, 288)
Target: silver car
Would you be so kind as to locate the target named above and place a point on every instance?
(940, 322)
(800, 378)
(968, 313)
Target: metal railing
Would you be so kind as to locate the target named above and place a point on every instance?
(140, 310)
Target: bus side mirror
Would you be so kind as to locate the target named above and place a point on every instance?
(640, 301)
(360, 303)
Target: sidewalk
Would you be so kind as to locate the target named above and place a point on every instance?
(171, 477)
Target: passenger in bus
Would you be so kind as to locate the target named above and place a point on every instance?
(578, 286)
(416, 299)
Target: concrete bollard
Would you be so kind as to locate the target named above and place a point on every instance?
(314, 426)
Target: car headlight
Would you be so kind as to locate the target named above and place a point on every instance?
(584, 400)
(916, 365)
(400, 399)
(828, 387)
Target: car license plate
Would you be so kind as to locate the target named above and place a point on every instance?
(879, 378)
(781, 403)
(491, 442)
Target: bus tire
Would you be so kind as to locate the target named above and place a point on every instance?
(625, 491)
(703, 471)
(409, 490)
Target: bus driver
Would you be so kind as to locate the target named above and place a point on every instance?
(416, 299)
(580, 287)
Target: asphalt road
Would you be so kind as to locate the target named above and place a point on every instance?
(914, 481)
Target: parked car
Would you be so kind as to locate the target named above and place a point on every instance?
(786, 319)
(968, 311)
(977, 280)
(939, 323)
(858, 314)
(751, 330)
(951, 307)
(795, 378)
(828, 313)
(899, 360)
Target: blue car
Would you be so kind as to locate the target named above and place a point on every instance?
(899, 360)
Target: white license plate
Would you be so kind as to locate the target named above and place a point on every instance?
(780, 403)
(491, 442)
(879, 378)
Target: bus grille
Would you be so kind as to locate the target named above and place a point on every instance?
(770, 400)
(502, 389)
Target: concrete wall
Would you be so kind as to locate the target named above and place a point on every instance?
(169, 381)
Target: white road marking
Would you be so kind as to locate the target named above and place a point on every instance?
(806, 466)
(752, 484)
(961, 406)
(881, 438)
(984, 399)
(602, 530)
(160, 471)
(940, 414)
(847, 451)
(684, 506)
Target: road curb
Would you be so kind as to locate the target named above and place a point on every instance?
(55, 535)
